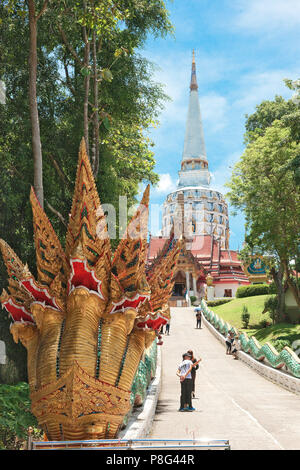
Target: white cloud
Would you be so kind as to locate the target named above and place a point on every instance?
(257, 86)
(267, 15)
(166, 184)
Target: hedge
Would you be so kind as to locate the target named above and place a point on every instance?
(253, 289)
(215, 303)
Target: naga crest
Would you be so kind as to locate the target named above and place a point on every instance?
(90, 314)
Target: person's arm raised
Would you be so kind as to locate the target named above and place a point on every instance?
(196, 363)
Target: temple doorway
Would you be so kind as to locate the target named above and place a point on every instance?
(179, 288)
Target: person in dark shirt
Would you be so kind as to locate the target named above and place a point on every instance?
(184, 372)
(193, 371)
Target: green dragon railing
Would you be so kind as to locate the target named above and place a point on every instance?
(142, 379)
(276, 359)
(144, 375)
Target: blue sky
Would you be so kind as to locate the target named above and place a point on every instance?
(244, 49)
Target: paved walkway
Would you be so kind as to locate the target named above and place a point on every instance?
(232, 401)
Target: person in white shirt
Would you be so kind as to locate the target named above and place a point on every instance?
(229, 340)
(236, 346)
(186, 382)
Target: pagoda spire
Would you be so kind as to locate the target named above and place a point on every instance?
(194, 164)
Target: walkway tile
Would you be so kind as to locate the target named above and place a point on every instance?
(233, 402)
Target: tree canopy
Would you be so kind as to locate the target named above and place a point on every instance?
(92, 81)
(263, 185)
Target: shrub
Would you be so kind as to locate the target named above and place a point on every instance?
(272, 288)
(253, 289)
(245, 317)
(279, 344)
(264, 323)
(215, 303)
(271, 306)
(193, 299)
(15, 417)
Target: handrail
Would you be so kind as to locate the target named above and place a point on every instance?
(134, 444)
(251, 345)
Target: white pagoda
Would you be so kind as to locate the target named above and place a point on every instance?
(195, 208)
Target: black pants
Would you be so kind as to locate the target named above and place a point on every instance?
(199, 323)
(186, 393)
(193, 380)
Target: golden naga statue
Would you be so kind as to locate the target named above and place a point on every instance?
(88, 317)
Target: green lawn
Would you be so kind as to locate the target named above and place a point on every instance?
(232, 312)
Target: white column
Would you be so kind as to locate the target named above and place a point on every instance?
(195, 287)
(187, 277)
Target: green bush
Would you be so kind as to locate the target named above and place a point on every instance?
(279, 344)
(264, 323)
(253, 289)
(215, 303)
(193, 299)
(245, 317)
(15, 416)
(271, 306)
(272, 288)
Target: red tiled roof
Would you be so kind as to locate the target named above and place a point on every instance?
(222, 264)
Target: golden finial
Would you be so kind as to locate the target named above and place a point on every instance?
(193, 85)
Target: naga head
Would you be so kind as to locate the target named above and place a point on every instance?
(88, 317)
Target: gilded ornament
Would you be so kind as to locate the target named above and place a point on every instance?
(89, 316)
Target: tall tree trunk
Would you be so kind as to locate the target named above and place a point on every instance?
(96, 109)
(86, 99)
(34, 115)
(86, 85)
(278, 280)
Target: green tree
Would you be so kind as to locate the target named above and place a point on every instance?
(16, 417)
(262, 187)
(271, 306)
(266, 113)
(245, 316)
(127, 106)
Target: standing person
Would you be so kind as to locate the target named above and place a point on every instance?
(168, 328)
(236, 346)
(198, 317)
(184, 372)
(193, 371)
(228, 342)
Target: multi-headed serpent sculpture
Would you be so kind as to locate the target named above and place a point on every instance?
(90, 314)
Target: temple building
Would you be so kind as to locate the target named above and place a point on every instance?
(198, 213)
